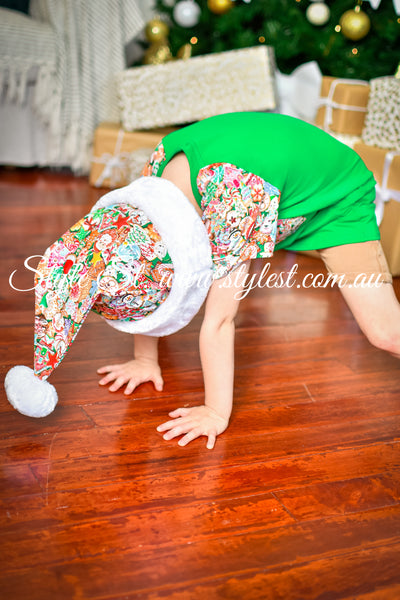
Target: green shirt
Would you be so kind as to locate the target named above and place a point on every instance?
(319, 178)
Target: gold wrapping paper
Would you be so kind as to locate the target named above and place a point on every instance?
(343, 105)
(374, 158)
(387, 175)
(115, 150)
(390, 235)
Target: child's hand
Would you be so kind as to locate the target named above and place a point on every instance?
(194, 422)
(133, 373)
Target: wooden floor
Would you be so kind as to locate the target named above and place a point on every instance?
(299, 500)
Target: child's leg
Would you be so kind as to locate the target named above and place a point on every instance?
(371, 299)
(377, 312)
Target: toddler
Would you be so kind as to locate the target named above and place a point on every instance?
(213, 196)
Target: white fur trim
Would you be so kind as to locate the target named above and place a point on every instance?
(27, 393)
(186, 239)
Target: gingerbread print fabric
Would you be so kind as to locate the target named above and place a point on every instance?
(156, 159)
(112, 261)
(240, 212)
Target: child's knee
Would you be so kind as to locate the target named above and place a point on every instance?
(387, 340)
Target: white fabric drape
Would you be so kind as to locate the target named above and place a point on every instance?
(81, 49)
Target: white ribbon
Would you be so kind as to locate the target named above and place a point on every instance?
(299, 92)
(115, 164)
(330, 104)
(383, 193)
(376, 3)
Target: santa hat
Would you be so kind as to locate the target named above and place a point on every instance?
(141, 258)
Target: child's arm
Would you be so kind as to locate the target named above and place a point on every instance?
(144, 367)
(217, 357)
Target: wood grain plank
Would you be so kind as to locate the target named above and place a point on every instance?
(341, 497)
(382, 593)
(253, 412)
(235, 448)
(346, 577)
(18, 480)
(192, 522)
(327, 466)
(96, 483)
(227, 556)
(12, 423)
(121, 497)
(147, 530)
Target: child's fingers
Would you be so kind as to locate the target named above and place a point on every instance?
(179, 412)
(117, 384)
(158, 383)
(166, 426)
(132, 384)
(211, 441)
(174, 432)
(108, 378)
(108, 368)
(189, 437)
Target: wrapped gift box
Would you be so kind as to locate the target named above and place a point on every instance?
(386, 169)
(343, 105)
(184, 91)
(119, 156)
(382, 123)
(390, 235)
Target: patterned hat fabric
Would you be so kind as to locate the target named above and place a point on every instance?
(141, 259)
(113, 261)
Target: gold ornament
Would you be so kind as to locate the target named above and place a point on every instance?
(355, 24)
(219, 7)
(184, 52)
(157, 54)
(156, 30)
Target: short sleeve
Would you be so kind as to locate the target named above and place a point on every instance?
(155, 161)
(240, 212)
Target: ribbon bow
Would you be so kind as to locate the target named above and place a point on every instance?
(383, 193)
(299, 92)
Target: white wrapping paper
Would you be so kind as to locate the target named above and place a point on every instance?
(184, 91)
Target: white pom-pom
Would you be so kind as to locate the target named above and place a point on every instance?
(28, 394)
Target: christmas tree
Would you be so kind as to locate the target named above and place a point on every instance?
(361, 43)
